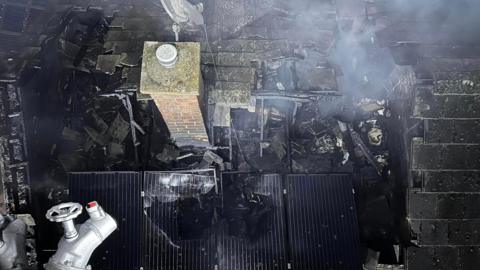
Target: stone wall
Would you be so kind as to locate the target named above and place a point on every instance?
(444, 192)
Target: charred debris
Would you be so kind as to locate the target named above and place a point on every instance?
(81, 111)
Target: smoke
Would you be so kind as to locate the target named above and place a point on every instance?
(442, 21)
(362, 58)
(342, 32)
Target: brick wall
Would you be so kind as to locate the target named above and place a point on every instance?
(183, 117)
(444, 201)
(178, 97)
(444, 194)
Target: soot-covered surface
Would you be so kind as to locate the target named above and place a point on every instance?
(322, 222)
(254, 233)
(119, 195)
(246, 221)
(178, 219)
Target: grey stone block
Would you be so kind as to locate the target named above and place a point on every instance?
(247, 87)
(457, 82)
(445, 181)
(232, 59)
(233, 45)
(420, 258)
(448, 51)
(428, 105)
(445, 157)
(463, 232)
(447, 232)
(452, 131)
(422, 205)
(449, 64)
(230, 74)
(469, 258)
(431, 232)
(444, 257)
(451, 75)
(458, 206)
(124, 46)
(320, 79)
(471, 64)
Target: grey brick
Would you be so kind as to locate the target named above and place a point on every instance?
(445, 181)
(471, 64)
(124, 46)
(428, 105)
(443, 257)
(445, 157)
(322, 39)
(233, 45)
(422, 205)
(265, 45)
(458, 206)
(127, 35)
(469, 258)
(431, 232)
(230, 74)
(231, 97)
(232, 59)
(463, 232)
(441, 64)
(449, 64)
(452, 131)
(451, 75)
(447, 232)
(247, 87)
(448, 51)
(250, 32)
(420, 258)
(459, 82)
(457, 87)
(323, 79)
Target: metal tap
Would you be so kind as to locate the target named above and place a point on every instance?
(12, 243)
(78, 242)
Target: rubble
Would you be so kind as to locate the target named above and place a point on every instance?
(363, 150)
(108, 63)
(247, 213)
(375, 136)
(174, 186)
(274, 105)
(209, 159)
(168, 154)
(370, 105)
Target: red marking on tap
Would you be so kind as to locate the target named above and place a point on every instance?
(91, 204)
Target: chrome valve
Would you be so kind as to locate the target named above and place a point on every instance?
(78, 242)
(12, 243)
(65, 213)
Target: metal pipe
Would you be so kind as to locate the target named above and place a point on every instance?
(12, 250)
(69, 229)
(74, 253)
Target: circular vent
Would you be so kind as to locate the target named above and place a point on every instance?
(167, 55)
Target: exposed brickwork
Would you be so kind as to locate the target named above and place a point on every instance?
(182, 115)
(176, 92)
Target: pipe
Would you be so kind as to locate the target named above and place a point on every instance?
(75, 252)
(12, 245)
